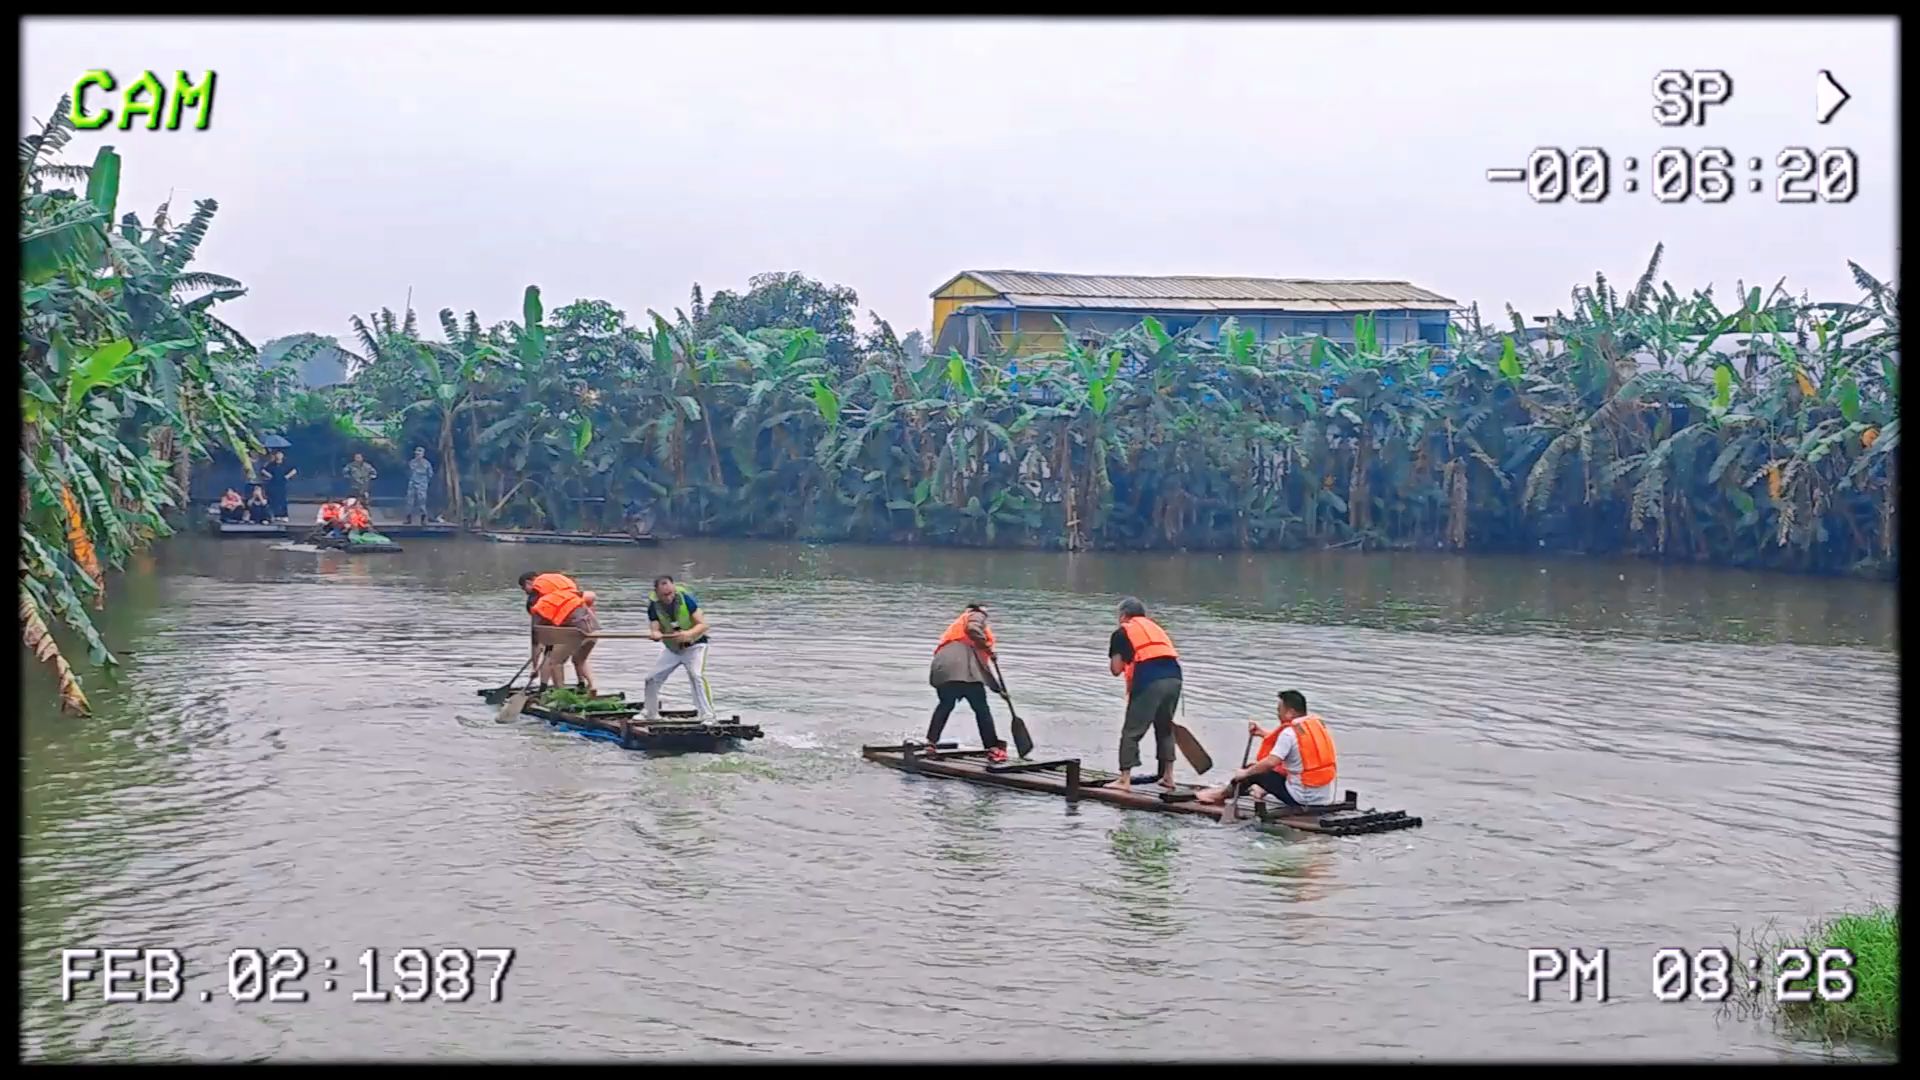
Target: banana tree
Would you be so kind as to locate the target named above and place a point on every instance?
(453, 374)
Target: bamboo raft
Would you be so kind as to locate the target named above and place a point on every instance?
(432, 528)
(254, 529)
(527, 536)
(334, 543)
(1067, 777)
(678, 731)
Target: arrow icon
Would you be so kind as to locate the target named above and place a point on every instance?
(1828, 96)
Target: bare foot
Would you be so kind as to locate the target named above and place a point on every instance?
(1211, 796)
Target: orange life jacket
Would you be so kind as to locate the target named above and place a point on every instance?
(357, 518)
(550, 582)
(957, 631)
(1316, 749)
(329, 513)
(554, 607)
(1149, 643)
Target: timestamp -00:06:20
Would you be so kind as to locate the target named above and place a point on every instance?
(1678, 174)
(253, 975)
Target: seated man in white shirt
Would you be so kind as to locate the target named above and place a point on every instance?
(1295, 763)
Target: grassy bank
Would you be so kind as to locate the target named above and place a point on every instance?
(1871, 1012)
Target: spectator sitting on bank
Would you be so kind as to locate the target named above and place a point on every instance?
(259, 510)
(232, 509)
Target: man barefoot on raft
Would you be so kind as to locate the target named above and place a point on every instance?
(569, 608)
(1296, 761)
(1144, 653)
(536, 584)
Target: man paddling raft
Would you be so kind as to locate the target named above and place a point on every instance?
(536, 584)
(1143, 652)
(555, 599)
(962, 670)
(1296, 761)
(678, 623)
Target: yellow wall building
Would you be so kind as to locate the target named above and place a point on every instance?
(1020, 313)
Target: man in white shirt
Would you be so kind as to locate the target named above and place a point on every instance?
(1296, 761)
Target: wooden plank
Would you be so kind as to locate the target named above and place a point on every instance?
(1031, 766)
(905, 746)
(514, 536)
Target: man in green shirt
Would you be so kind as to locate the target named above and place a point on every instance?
(360, 477)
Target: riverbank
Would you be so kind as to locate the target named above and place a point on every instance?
(1872, 1012)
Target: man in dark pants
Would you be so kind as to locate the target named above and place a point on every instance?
(1142, 651)
(274, 474)
(962, 670)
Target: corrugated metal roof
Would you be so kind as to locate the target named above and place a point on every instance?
(1026, 288)
(1222, 307)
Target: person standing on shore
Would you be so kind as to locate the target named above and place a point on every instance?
(274, 475)
(360, 477)
(419, 475)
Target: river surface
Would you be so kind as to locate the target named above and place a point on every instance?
(1606, 755)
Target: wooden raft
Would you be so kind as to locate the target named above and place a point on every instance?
(528, 536)
(677, 730)
(252, 529)
(425, 529)
(1067, 777)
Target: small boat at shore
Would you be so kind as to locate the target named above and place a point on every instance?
(531, 536)
(1066, 777)
(422, 530)
(611, 717)
(248, 529)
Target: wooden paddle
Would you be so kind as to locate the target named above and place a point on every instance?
(1230, 812)
(573, 635)
(1022, 740)
(510, 709)
(1190, 747)
(508, 685)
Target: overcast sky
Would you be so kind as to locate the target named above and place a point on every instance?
(624, 160)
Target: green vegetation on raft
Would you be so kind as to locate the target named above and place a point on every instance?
(570, 699)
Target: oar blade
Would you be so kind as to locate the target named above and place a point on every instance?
(1190, 747)
(511, 710)
(1022, 740)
